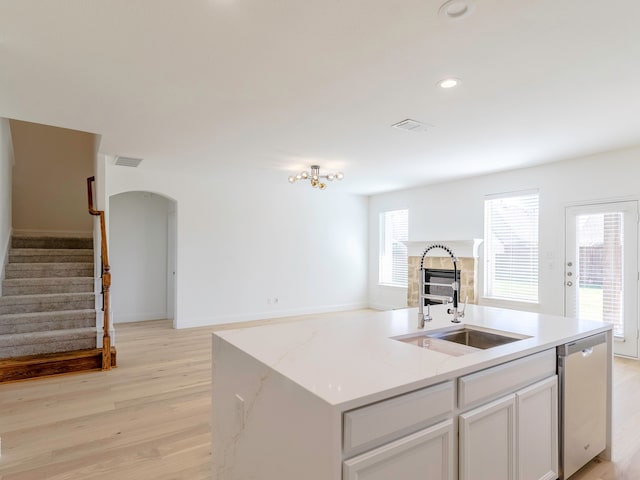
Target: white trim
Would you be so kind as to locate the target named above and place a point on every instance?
(599, 201)
(461, 248)
(393, 285)
(384, 308)
(510, 304)
(516, 193)
(5, 257)
(138, 317)
(222, 320)
(53, 233)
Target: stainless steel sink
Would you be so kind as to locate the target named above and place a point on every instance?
(476, 338)
(461, 340)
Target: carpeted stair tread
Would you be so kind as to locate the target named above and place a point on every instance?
(48, 255)
(58, 297)
(43, 285)
(40, 270)
(51, 242)
(48, 299)
(14, 339)
(46, 302)
(40, 316)
(43, 321)
(33, 343)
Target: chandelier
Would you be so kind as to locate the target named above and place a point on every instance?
(315, 177)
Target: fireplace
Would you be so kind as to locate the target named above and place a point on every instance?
(438, 285)
(467, 254)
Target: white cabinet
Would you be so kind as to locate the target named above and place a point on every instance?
(537, 423)
(513, 438)
(492, 383)
(427, 454)
(371, 426)
(487, 441)
(509, 430)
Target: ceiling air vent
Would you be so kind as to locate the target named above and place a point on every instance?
(411, 126)
(128, 161)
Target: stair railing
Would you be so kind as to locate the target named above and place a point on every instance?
(106, 278)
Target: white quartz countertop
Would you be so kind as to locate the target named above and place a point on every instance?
(349, 359)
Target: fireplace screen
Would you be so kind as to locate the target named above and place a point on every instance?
(438, 286)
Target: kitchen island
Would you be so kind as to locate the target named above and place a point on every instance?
(347, 398)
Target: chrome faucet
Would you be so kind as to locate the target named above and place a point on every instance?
(421, 286)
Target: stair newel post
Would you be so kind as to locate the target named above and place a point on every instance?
(106, 286)
(106, 337)
(106, 279)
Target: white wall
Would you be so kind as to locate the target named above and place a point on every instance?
(455, 211)
(138, 256)
(6, 164)
(242, 242)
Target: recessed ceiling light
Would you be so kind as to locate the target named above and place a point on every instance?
(449, 82)
(456, 9)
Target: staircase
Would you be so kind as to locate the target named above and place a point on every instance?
(47, 305)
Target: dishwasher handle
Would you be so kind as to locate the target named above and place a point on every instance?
(587, 351)
(584, 345)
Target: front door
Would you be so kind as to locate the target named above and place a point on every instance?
(601, 269)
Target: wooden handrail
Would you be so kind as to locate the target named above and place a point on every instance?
(106, 278)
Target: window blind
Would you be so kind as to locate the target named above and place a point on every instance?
(600, 244)
(394, 229)
(511, 247)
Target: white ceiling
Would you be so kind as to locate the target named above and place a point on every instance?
(268, 87)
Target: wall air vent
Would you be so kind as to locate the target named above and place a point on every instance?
(411, 126)
(128, 161)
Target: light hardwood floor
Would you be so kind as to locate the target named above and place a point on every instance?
(149, 418)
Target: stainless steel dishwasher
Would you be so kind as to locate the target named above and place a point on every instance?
(582, 371)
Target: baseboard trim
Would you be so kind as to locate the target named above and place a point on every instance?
(53, 233)
(384, 308)
(223, 320)
(138, 317)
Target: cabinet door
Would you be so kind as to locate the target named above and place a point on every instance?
(537, 411)
(487, 441)
(427, 454)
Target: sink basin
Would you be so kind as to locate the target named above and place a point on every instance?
(461, 340)
(477, 338)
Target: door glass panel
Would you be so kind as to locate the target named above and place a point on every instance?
(600, 254)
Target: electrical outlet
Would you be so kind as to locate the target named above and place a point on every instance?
(275, 300)
(269, 301)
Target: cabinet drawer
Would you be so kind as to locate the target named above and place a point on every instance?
(373, 425)
(506, 378)
(427, 454)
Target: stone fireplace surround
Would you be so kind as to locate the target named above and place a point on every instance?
(466, 252)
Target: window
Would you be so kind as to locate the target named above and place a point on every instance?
(394, 229)
(511, 246)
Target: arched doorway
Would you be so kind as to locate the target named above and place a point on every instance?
(142, 237)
